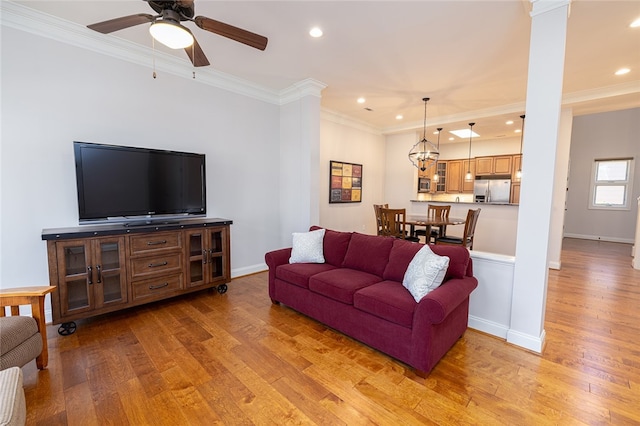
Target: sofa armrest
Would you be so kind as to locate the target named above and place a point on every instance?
(277, 257)
(273, 259)
(439, 303)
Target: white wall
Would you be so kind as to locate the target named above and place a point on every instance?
(57, 93)
(604, 135)
(352, 142)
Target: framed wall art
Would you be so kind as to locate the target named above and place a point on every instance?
(345, 182)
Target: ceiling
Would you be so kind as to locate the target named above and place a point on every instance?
(469, 57)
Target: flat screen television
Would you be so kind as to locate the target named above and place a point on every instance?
(138, 185)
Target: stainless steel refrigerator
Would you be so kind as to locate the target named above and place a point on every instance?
(492, 190)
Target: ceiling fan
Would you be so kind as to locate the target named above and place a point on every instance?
(166, 28)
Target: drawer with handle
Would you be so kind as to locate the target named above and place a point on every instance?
(156, 287)
(149, 243)
(152, 265)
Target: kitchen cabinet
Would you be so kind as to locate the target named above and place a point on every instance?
(441, 170)
(515, 193)
(497, 165)
(467, 185)
(456, 174)
(517, 165)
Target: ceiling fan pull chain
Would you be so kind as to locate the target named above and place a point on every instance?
(193, 55)
(153, 55)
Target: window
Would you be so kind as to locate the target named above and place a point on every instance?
(611, 183)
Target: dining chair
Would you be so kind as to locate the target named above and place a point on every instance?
(435, 211)
(376, 209)
(467, 236)
(393, 224)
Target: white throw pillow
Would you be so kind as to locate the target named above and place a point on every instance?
(307, 247)
(425, 272)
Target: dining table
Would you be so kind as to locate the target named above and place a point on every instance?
(428, 222)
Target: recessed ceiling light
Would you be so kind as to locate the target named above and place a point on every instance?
(635, 24)
(517, 131)
(452, 139)
(464, 133)
(361, 100)
(399, 117)
(623, 71)
(315, 32)
(509, 122)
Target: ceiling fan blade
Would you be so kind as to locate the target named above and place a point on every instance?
(229, 31)
(196, 54)
(116, 24)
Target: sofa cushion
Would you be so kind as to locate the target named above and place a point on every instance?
(299, 273)
(341, 283)
(425, 272)
(387, 300)
(308, 247)
(369, 253)
(403, 252)
(458, 259)
(335, 245)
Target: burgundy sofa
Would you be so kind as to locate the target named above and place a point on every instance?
(358, 291)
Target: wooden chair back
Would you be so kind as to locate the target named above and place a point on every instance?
(470, 227)
(376, 209)
(393, 222)
(467, 236)
(441, 212)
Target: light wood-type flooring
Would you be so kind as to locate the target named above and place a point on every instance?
(230, 359)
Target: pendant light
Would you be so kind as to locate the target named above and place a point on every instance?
(424, 154)
(519, 172)
(469, 177)
(436, 176)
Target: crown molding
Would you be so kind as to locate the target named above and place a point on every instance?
(446, 119)
(23, 18)
(345, 120)
(542, 6)
(307, 87)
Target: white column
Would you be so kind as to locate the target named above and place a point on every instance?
(560, 188)
(544, 99)
(299, 158)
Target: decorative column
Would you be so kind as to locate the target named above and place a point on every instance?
(543, 106)
(299, 158)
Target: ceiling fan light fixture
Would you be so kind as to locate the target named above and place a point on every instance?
(172, 35)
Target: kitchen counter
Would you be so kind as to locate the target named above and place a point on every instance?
(497, 224)
(462, 202)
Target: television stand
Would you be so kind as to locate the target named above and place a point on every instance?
(106, 268)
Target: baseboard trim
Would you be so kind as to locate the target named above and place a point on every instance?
(489, 327)
(248, 270)
(554, 265)
(526, 341)
(600, 238)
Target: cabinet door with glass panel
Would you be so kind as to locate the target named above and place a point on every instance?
(208, 257)
(90, 274)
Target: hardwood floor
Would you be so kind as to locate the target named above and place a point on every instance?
(237, 359)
